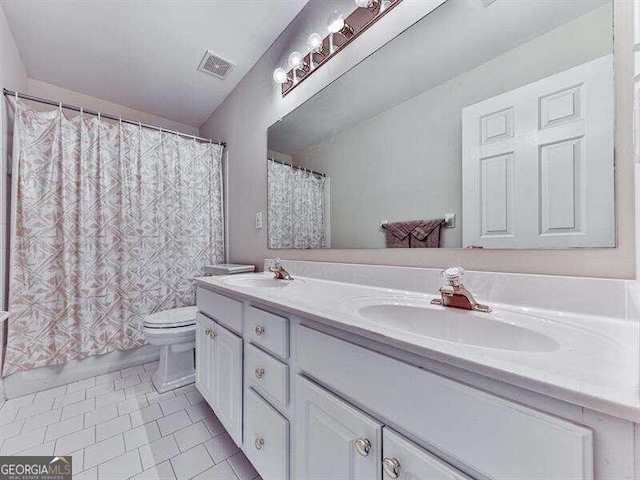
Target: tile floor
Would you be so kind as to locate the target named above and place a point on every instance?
(117, 426)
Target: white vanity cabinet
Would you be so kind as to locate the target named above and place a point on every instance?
(333, 440)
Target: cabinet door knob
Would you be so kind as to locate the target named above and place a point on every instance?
(207, 331)
(259, 329)
(259, 372)
(363, 446)
(212, 334)
(259, 443)
(391, 467)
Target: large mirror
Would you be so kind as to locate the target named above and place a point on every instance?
(484, 125)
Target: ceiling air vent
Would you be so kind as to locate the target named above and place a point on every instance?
(215, 65)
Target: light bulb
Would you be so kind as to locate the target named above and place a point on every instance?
(364, 3)
(335, 22)
(280, 76)
(314, 42)
(295, 60)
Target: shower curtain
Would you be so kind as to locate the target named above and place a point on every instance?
(296, 207)
(109, 223)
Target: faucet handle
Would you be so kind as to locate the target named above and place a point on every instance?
(453, 276)
(276, 263)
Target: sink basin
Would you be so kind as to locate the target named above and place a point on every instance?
(478, 329)
(259, 282)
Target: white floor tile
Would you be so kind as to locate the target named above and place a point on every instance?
(78, 408)
(102, 451)
(175, 404)
(108, 377)
(213, 425)
(45, 449)
(199, 411)
(81, 385)
(155, 397)
(242, 467)
(147, 414)
(75, 441)
(91, 474)
(162, 471)
(173, 422)
(141, 435)
(137, 390)
(78, 460)
(194, 397)
(132, 405)
(132, 370)
(7, 415)
(221, 447)
(100, 415)
(191, 436)
(42, 420)
(221, 471)
(35, 408)
(51, 393)
(29, 440)
(112, 427)
(65, 427)
(19, 402)
(11, 429)
(185, 389)
(100, 389)
(109, 399)
(192, 462)
(145, 377)
(69, 398)
(126, 381)
(158, 451)
(120, 468)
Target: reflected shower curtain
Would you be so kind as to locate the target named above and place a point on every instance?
(109, 223)
(296, 207)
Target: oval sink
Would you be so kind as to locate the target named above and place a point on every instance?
(260, 282)
(458, 326)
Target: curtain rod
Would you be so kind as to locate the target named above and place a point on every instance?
(105, 115)
(296, 167)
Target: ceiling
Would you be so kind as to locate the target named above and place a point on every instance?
(145, 54)
(455, 38)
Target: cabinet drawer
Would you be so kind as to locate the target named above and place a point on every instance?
(404, 460)
(225, 310)
(267, 375)
(488, 434)
(266, 438)
(268, 330)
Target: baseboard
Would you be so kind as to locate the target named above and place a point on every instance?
(30, 381)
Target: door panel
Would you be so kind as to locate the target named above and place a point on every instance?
(528, 157)
(204, 357)
(327, 430)
(227, 379)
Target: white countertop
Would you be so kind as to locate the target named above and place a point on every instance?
(597, 364)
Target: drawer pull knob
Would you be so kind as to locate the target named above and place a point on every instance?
(363, 446)
(212, 334)
(391, 467)
(259, 329)
(259, 372)
(259, 443)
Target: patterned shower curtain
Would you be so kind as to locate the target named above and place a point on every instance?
(296, 207)
(109, 223)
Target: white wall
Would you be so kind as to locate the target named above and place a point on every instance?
(406, 163)
(255, 103)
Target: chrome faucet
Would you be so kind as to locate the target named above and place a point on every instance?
(278, 270)
(455, 294)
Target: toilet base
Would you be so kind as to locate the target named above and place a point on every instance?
(176, 367)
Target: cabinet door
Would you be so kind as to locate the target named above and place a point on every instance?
(205, 345)
(334, 441)
(404, 460)
(227, 381)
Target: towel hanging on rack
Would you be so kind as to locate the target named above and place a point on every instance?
(413, 233)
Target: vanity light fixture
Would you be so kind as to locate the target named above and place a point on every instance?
(315, 43)
(347, 26)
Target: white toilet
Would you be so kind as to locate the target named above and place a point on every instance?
(174, 331)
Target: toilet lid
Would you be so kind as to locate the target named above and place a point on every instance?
(176, 317)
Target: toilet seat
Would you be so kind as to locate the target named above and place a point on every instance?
(174, 318)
